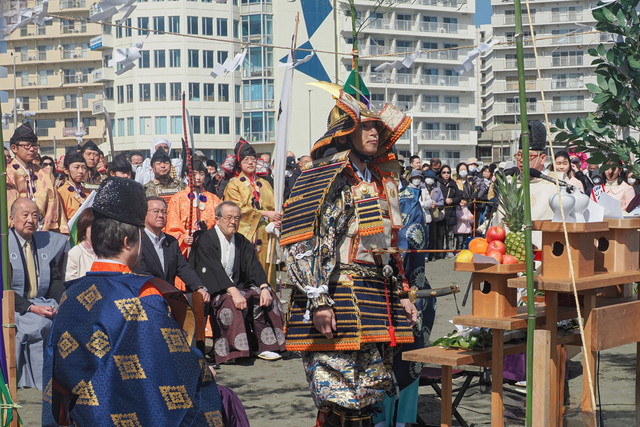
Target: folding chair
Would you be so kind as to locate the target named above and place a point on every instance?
(432, 376)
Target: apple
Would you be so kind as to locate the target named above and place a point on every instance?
(495, 233)
(495, 254)
(497, 245)
(510, 259)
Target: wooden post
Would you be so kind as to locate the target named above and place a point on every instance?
(446, 412)
(497, 356)
(551, 321)
(588, 355)
(542, 367)
(638, 383)
(8, 318)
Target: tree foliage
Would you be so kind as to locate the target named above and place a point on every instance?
(605, 134)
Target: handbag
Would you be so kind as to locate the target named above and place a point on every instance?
(437, 214)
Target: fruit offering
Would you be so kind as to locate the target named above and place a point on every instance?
(493, 246)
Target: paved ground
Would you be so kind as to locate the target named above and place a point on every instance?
(275, 393)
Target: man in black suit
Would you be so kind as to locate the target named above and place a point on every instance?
(247, 317)
(161, 256)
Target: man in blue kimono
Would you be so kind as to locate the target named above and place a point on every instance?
(120, 349)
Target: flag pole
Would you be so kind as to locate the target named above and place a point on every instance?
(531, 311)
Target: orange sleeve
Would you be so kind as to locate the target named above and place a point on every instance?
(148, 289)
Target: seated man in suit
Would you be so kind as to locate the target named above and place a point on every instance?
(36, 261)
(247, 316)
(161, 256)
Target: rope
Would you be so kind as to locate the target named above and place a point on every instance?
(585, 349)
(288, 48)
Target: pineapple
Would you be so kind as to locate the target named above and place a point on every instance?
(511, 206)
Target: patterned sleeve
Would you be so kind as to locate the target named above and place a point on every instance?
(310, 262)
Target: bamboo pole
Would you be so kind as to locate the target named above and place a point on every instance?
(531, 311)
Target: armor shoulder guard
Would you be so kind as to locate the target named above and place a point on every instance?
(307, 196)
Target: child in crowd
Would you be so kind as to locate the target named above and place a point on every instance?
(464, 219)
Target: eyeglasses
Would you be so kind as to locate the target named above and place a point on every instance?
(249, 160)
(29, 146)
(518, 155)
(230, 218)
(158, 212)
(445, 172)
(47, 164)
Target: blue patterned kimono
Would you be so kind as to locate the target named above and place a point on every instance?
(411, 236)
(115, 358)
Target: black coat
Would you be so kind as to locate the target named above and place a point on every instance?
(205, 259)
(450, 191)
(174, 263)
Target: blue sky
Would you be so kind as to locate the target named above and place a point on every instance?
(483, 12)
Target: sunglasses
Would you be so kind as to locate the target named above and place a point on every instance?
(46, 164)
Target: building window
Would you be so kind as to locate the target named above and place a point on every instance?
(130, 129)
(144, 61)
(161, 125)
(192, 25)
(222, 56)
(221, 24)
(128, 32)
(208, 91)
(223, 125)
(176, 125)
(159, 60)
(108, 93)
(174, 58)
(175, 91)
(236, 25)
(195, 124)
(194, 91)
(209, 125)
(174, 24)
(193, 56)
(237, 93)
(145, 92)
(207, 26)
(223, 93)
(129, 91)
(120, 92)
(145, 125)
(207, 59)
(161, 91)
(44, 101)
(158, 24)
(563, 59)
(120, 127)
(143, 22)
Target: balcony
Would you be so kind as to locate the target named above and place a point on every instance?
(256, 71)
(405, 105)
(75, 78)
(515, 108)
(566, 17)
(528, 63)
(261, 7)
(440, 80)
(403, 25)
(74, 54)
(445, 3)
(261, 104)
(260, 136)
(441, 135)
(376, 50)
(404, 79)
(379, 78)
(438, 107)
(568, 105)
(380, 24)
(438, 27)
(73, 4)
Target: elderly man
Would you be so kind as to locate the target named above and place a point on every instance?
(163, 184)
(36, 260)
(247, 316)
(120, 343)
(161, 256)
(26, 179)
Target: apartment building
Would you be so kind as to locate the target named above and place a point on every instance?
(564, 62)
(49, 79)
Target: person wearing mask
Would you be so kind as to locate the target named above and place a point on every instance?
(436, 211)
(472, 167)
(163, 184)
(465, 182)
(486, 193)
(26, 179)
(633, 181)
(615, 186)
(452, 197)
(424, 198)
(436, 164)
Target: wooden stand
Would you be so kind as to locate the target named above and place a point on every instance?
(9, 331)
(617, 252)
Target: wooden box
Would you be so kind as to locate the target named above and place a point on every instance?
(491, 296)
(618, 251)
(555, 254)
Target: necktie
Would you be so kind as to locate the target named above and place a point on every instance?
(31, 270)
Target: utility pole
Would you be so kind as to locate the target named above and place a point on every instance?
(15, 94)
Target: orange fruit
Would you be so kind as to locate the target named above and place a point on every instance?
(478, 246)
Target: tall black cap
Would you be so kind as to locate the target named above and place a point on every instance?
(120, 164)
(160, 156)
(25, 133)
(537, 136)
(121, 199)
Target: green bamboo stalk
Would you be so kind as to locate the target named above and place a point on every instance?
(4, 220)
(531, 311)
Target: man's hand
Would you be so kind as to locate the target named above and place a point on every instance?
(188, 240)
(448, 200)
(272, 215)
(324, 320)
(43, 310)
(238, 300)
(265, 297)
(205, 295)
(410, 311)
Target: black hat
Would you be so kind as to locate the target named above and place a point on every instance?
(244, 149)
(120, 164)
(121, 199)
(198, 166)
(291, 162)
(25, 133)
(160, 156)
(73, 158)
(90, 145)
(537, 136)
